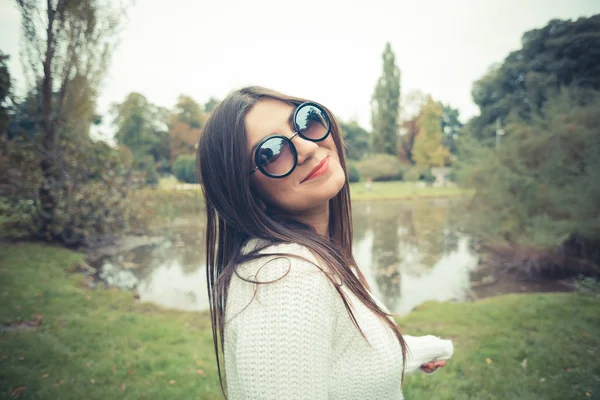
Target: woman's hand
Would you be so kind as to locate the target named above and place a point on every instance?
(432, 366)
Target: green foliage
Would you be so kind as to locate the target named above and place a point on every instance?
(353, 173)
(210, 105)
(356, 140)
(91, 204)
(137, 125)
(145, 165)
(5, 89)
(16, 218)
(380, 167)
(451, 126)
(66, 48)
(561, 53)
(588, 286)
(158, 206)
(541, 183)
(385, 107)
(184, 168)
(428, 150)
(141, 127)
(187, 111)
(427, 175)
(413, 174)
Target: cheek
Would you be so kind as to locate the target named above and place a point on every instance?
(271, 190)
(329, 144)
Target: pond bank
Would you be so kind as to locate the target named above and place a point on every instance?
(102, 343)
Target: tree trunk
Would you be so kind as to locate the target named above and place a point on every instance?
(48, 159)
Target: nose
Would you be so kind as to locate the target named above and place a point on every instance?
(305, 148)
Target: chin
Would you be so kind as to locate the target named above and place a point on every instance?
(334, 184)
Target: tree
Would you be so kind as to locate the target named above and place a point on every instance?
(450, 127)
(63, 42)
(539, 190)
(140, 126)
(210, 105)
(185, 124)
(136, 125)
(428, 149)
(562, 53)
(385, 106)
(5, 89)
(411, 110)
(184, 168)
(356, 140)
(187, 111)
(183, 140)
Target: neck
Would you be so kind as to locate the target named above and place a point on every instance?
(317, 217)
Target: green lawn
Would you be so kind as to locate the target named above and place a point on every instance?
(103, 344)
(400, 190)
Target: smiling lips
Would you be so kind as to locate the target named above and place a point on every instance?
(319, 170)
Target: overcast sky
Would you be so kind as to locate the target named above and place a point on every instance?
(324, 50)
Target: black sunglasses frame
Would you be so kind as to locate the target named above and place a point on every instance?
(289, 140)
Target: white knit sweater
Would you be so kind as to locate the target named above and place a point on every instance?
(294, 339)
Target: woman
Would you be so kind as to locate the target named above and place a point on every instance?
(292, 315)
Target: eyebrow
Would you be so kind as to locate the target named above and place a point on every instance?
(290, 123)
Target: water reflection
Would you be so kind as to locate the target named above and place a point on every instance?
(410, 252)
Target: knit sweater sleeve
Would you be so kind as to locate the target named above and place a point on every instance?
(424, 349)
(283, 339)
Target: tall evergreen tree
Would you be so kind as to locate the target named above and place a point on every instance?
(385, 106)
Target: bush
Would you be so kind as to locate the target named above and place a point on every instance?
(184, 168)
(539, 185)
(412, 175)
(427, 176)
(16, 218)
(90, 192)
(147, 166)
(353, 174)
(452, 176)
(381, 167)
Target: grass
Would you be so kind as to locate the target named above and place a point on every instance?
(558, 334)
(163, 204)
(396, 190)
(94, 344)
(103, 344)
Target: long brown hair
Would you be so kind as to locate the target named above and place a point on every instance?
(234, 213)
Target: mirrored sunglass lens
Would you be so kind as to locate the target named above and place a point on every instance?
(312, 122)
(275, 157)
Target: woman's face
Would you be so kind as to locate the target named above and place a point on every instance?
(303, 189)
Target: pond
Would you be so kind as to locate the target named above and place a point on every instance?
(409, 251)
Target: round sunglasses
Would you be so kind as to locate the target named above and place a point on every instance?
(276, 156)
